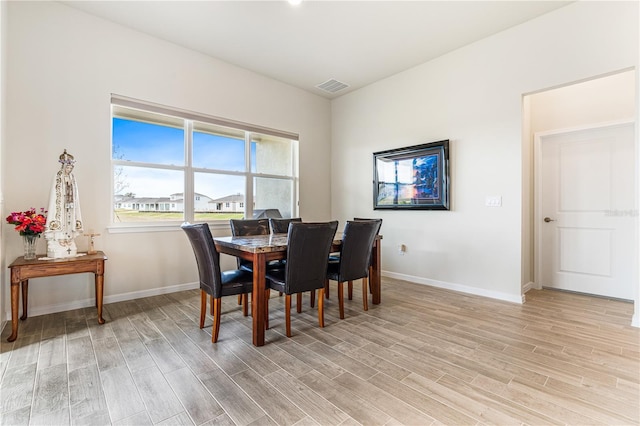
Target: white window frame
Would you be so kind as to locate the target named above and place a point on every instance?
(189, 171)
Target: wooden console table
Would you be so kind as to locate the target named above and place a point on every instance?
(22, 270)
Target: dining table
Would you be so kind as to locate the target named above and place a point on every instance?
(261, 249)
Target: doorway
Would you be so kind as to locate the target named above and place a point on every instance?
(583, 151)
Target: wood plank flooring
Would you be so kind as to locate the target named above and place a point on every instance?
(424, 356)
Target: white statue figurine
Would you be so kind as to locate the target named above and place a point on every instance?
(64, 220)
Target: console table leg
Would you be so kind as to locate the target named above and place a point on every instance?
(25, 296)
(14, 311)
(99, 290)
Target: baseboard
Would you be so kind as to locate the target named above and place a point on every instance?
(457, 287)
(87, 303)
(528, 286)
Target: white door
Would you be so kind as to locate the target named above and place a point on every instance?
(586, 217)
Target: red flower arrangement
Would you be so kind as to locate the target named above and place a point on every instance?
(28, 222)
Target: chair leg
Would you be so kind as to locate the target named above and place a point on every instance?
(299, 302)
(239, 299)
(203, 307)
(266, 308)
(245, 304)
(326, 289)
(321, 308)
(217, 307)
(350, 291)
(287, 314)
(341, 298)
(365, 293)
(312, 298)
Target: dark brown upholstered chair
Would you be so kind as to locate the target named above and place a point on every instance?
(281, 226)
(355, 258)
(350, 284)
(308, 248)
(244, 227)
(212, 281)
(336, 258)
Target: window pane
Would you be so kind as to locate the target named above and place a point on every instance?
(273, 194)
(145, 195)
(271, 155)
(218, 148)
(218, 197)
(147, 142)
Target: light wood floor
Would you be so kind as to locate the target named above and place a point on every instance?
(424, 356)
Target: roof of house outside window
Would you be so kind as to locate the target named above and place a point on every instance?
(235, 198)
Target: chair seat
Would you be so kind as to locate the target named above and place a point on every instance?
(333, 270)
(274, 264)
(236, 281)
(276, 279)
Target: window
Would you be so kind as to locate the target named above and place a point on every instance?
(171, 165)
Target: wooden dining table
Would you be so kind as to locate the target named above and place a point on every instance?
(261, 249)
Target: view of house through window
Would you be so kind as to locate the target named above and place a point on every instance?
(172, 166)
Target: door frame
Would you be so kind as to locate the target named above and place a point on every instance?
(537, 197)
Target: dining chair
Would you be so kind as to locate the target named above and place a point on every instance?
(355, 259)
(308, 247)
(213, 281)
(246, 227)
(336, 258)
(350, 283)
(281, 226)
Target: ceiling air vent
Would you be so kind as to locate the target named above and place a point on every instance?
(332, 86)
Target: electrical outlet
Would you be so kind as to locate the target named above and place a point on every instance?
(402, 249)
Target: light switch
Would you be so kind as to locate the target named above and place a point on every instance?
(493, 201)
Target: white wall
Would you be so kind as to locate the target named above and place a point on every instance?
(605, 99)
(472, 96)
(62, 65)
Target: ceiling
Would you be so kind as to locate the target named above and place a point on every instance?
(353, 42)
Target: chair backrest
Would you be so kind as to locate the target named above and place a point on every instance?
(244, 227)
(281, 226)
(357, 243)
(207, 257)
(308, 249)
(375, 220)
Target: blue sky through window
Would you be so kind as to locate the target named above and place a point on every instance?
(153, 143)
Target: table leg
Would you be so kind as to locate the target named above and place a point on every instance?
(25, 296)
(99, 282)
(375, 278)
(258, 298)
(14, 310)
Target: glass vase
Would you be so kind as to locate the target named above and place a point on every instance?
(30, 242)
